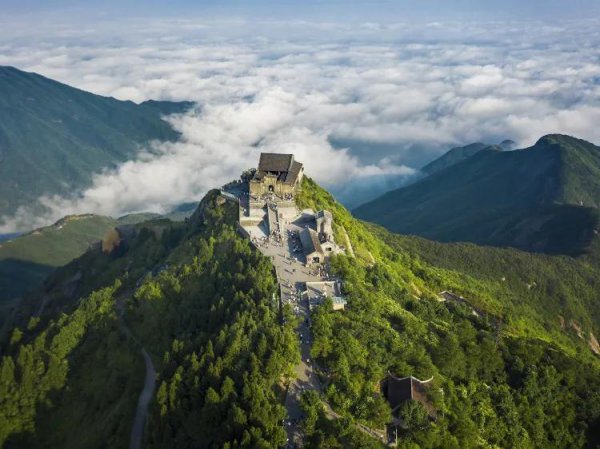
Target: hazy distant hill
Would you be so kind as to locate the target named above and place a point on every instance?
(544, 198)
(53, 137)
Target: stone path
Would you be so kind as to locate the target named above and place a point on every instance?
(292, 274)
(348, 244)
(141, 412)
(289, 263)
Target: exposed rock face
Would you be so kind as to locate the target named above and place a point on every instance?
(111, 240)
(594, 345)
(577, 328)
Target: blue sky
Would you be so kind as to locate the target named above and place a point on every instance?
(383, 10)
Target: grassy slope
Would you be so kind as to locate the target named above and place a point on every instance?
(533, 290)
(53, 137)
(528, 199)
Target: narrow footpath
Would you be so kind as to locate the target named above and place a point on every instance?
(141, 411)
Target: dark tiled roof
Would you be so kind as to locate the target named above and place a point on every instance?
(292, 175)
(398, 391)
(283, 166)
(310, 241)
(275, 162)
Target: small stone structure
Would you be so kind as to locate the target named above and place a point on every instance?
(313, 251)
(318, 245)
(277, 174)
(316, 293)
(324, 221)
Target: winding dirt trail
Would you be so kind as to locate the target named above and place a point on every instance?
(141, 412)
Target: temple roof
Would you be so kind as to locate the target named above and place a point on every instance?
(293, 173)
(275, 162)
(283, 166)
(399, 390)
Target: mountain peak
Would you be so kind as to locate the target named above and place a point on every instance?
(560, 139)
(458, 154)
(542, 198)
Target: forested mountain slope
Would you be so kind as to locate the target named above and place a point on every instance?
(200, 300)
(27, 260)
(508, 376)
(544, 198)
(53, 136)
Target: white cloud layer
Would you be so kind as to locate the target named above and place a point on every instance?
(297, 87)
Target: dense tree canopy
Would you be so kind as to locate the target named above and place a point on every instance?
(203, 303)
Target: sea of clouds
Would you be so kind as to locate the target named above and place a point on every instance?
(363, 106)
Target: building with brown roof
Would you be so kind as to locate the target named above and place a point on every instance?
(399, 390)
(277, 174)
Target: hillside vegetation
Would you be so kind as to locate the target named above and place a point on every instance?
(506, 377)
(544, 199)
(53, 137)
(28, 259)
(200, 299)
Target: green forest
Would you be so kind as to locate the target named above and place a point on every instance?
(208, 317)
(507, 372)
(506, 378)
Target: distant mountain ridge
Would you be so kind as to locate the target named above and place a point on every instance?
(26, 260)
(545, 198)
(53, 136)
(458, 154)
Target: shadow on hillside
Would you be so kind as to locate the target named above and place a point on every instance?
(19, 277)
(556, 230)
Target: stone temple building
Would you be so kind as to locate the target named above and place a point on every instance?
(324, 221)
(318, 245)
(277, 174)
